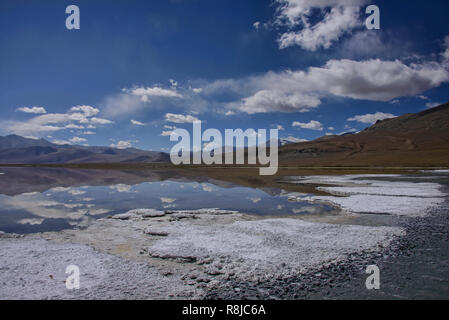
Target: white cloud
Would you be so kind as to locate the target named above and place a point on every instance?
(336, 23)
(256, 25)
(101, 121)
(137, 123)
(154, 92)
(122, 145)
(35, 110)
(180, 118)
(88, 111)
(338, 17)
(77, 140)
(166, 133)
(88, 132)
(280, 127)
(77, 117)
(303, 90)
(372, 118)
(375, 79)
(61, 142)
(293, 90)
(73, 126)
(132, 100)
(277, 101)
(292, 139)
(312, 125)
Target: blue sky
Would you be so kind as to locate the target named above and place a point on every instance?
(137, 69)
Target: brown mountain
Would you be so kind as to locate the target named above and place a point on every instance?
(420, 139)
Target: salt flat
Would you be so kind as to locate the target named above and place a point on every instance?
(362, 194)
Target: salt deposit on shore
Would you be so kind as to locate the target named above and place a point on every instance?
(35, 269)
(175, 258)
(362, 194)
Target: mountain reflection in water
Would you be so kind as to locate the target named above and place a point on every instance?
(52, 199)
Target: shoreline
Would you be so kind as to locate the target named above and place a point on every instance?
(215, 254)
(413, 266)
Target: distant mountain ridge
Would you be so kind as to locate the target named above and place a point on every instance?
(15, 149)
(419, 139)
(15, 141)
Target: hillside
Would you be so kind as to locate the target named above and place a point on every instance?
(420, 139)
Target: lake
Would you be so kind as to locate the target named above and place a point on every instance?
(53, 199)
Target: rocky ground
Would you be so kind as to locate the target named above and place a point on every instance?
(414, 266)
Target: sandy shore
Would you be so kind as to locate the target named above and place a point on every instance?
(210, 253)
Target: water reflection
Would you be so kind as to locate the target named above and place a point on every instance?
(37, 199)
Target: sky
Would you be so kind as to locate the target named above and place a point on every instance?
(136, 70)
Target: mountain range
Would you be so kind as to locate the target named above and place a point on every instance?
(419, 139)
(15, 149)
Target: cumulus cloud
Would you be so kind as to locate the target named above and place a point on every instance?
(291, 139)
(122, 145)
(134, 99)
(277, 101)
(375, 79)
(61, 142)
(180, 118)
(338, 17)
(312, 125)
(298, 90)
(88, 111)
(77, 140)
(35, 110)
(372, 118)
(302, 90)
(78, 117)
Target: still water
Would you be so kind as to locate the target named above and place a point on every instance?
(39, 200)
